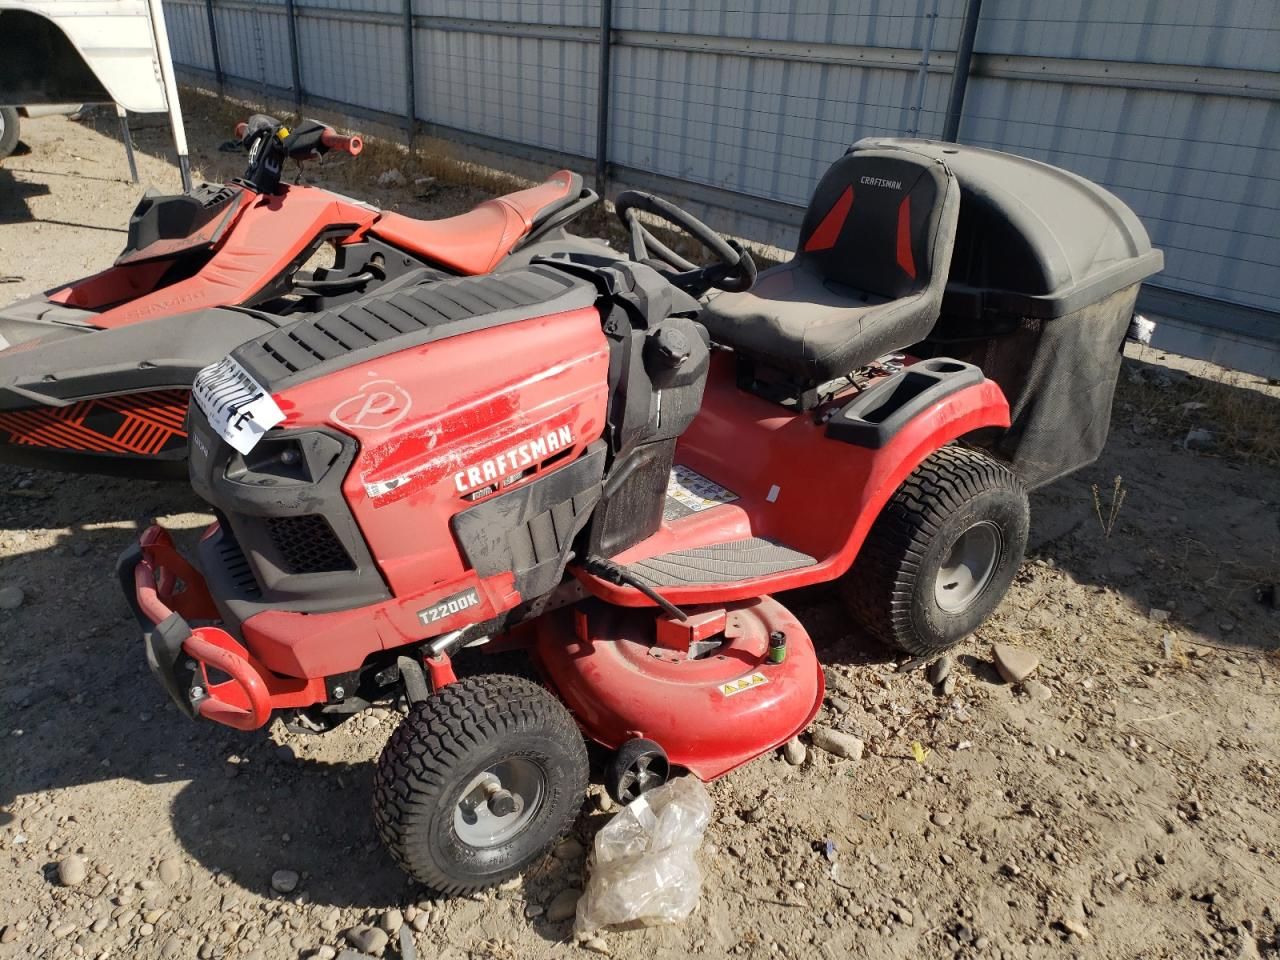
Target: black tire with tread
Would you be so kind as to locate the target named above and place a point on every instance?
(889, 589)
(441, 745)
(9, 133)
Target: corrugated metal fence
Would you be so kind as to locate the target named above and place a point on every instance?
(737, 106)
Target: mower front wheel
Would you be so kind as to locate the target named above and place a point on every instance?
(941, 554)
(478, 781)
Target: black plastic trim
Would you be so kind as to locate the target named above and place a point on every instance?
(181, 224)
(557, 215)
(162, 642)
(126, 564)
(165, 353)
(873, 417)
(393, 269)
(377, 325)
(964, 302)
(164, 651)
(245, 493)
(530, 530)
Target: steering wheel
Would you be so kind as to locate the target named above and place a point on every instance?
(733, 271)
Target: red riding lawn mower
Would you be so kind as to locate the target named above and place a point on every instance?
(585, 461)
(95, 375)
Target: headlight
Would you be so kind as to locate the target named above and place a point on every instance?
(302, 458)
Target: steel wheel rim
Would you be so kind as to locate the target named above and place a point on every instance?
(477, 825)
(968, 568)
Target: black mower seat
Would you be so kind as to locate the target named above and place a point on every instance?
(867, 279)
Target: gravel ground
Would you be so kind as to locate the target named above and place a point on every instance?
(1121, 803)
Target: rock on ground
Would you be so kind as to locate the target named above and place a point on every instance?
(838, 743)
(285, 881)
(1076, 927)
(795, 751)
(1013, 663)
(72, 870)
(563, 906)
(568, 849)
(369, 940)
(391, 921)
(1198, 438)
(170, 871)
(1036, 690)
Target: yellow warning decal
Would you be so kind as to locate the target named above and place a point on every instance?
(743, 683)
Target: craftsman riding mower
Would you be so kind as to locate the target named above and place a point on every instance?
(584, 461)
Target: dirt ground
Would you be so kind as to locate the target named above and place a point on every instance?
(1122, 805)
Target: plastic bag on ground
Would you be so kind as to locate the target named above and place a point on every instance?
(644, 871)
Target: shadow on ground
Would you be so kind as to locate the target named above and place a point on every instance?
(14, 196)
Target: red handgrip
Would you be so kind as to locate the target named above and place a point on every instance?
(336, 141)
(241, 129)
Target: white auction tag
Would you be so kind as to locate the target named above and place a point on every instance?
(239, 409)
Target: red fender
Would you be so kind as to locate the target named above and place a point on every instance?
(792, 484)
(973, 408)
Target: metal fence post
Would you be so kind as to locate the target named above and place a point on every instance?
(213, 43)
(922, 79)
(410, 76)
(960, 76)
(602, 100)
(291, 13)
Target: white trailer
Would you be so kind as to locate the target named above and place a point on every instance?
(90, 51)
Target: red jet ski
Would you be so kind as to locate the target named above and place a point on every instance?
(95, 376)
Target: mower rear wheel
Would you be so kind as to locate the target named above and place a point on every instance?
(941, 554)
(479, 780)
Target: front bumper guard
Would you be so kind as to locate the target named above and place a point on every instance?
(205, 670)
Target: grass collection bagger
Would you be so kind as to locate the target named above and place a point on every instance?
(95, 375)
(590, 461)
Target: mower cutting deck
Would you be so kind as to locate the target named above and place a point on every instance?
(587, 463)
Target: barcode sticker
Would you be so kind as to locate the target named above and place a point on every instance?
(239, 409)
(695, 492)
